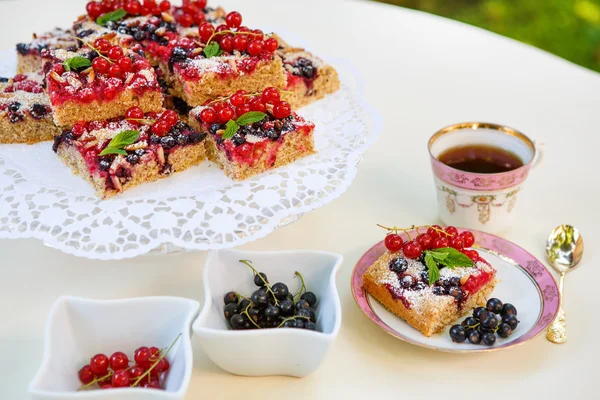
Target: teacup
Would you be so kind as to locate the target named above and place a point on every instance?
(482, 201)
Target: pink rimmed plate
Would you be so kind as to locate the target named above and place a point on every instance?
(522, 280)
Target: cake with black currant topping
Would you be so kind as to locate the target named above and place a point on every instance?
(29, 55)
(121, 153)
(252, 133)
(25, 114)
(432, 280)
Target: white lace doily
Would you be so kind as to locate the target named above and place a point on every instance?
(198, 209)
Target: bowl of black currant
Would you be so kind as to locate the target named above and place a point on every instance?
(279, 307)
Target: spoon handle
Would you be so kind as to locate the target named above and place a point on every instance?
(557, 332)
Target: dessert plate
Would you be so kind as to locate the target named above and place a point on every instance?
(522, 280)
(198, 209)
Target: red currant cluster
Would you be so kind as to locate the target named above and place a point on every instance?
(160, 126)
(20, 82)
(240, 103)
(112, 61)
(190, 13)
(132, 7)
(116, 372)
(232, 36)
(435, 238)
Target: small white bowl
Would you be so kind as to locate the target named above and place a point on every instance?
(77, 329)
(289, 351)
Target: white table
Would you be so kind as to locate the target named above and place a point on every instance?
(422, 72)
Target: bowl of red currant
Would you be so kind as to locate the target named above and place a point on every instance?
(280, 306)
(116, 349)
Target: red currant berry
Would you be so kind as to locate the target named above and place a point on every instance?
(472, 254)
(108, 5)
(257, 105)
(425, 240)
(393, 242)
(165, 6)
(258, 34)
(94, 9)
(451, 231)
(134, 113)
(233, 19)
(115, 71)
(412, 249)
(244, 150)
(243, 109)
(440, 242)
(282, 110)
(225, 114)
(221, 28)
(468, 238)
(237, 99)
(457, 243)
(170, 117)
(186, 20)
(227, 43)
(243, 29)
(159, 128)
(125, 64)
(133, 7)
(270, 95)
(119, 361)
(142, 355)
(208, 115)
(255, 47)
(106, 386)
(79, 128)
(136, 371)
(205, 31)
(163, 365)
(99, 364)
(240, 43)
(102, 45)
(115, 53)
(199, 17)
(100, 65)
(86, 375)
(201, 4)
(271, 45)
(121, 379)
(110, 93)
(433, 232)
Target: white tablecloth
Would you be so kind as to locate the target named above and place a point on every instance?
(422, 72)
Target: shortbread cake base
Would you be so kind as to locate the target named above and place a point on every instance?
(29, 132)
(29, 63)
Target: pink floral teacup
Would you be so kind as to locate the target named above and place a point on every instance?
(482, 201)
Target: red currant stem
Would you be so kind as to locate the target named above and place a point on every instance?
(93, 48)
(248, 315)
(163, 355)
(219, 99)
(232, 32)
(299, 275)
(292, 319)
(247, 262)
(395, 229)
(142, 121)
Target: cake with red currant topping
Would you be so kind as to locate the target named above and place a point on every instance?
(118, 154)
(29, 58)
(25, 114)
(221, 61)
(308, 77)
(253, 133)
(99, 82)
(432, 280)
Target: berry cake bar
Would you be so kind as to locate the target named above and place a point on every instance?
(99, 84)
(118, 154)
(403, 285)
(25, 114)
(29, 58)
(308, 77)
(250, 134)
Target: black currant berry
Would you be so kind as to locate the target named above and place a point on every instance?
(511, 320)
(310, 326)
(310, 297)
(237, 322)
(398, 265)
(504, 330)
(489, 321)
(457, 333)
(488, 339)
(302, 304)
(303, 313)
(509, 309)
(494, 305)
(230, 297)
(286, 307)
(470, 321)
(258, 281)
(474, 337)
(244, 304)
(271, 312)
(281, 290)
(478, 311)
(231, 309)
(260, 298)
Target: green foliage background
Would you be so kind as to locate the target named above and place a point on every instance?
(567, 28)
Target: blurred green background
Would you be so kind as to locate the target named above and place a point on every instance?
(567, 28)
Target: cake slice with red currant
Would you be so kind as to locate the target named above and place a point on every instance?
(308, 77)
(221, 61)
(253, 133)
(29, 57)
(25, 114)
(100, 81)
(432, 280)
(118, 154)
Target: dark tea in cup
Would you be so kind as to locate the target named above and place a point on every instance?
(481, 159)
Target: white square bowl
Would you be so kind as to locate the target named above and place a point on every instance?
(77, 329)
(263, 352)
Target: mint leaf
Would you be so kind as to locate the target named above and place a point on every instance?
(212, 50)
(75, 63)
(231, 129)
(438, 255)
(250, 117)
(434, 272)
(116, 15)
(118, 143)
